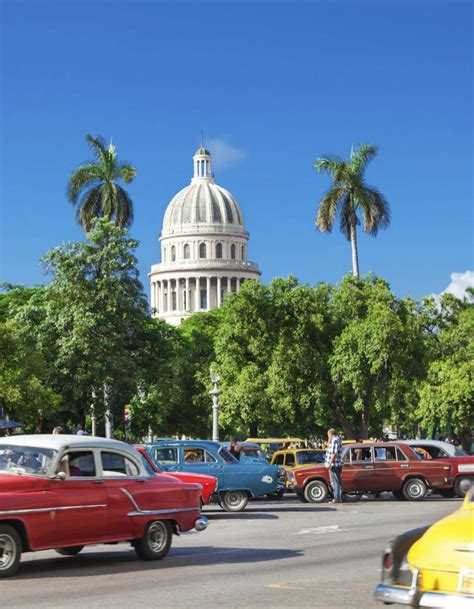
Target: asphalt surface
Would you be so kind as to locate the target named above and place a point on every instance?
(282, 554)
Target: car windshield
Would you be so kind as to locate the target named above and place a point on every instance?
(309, 456)
(227, 456)
(25, 459)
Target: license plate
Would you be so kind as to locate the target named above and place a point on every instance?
(467, 583)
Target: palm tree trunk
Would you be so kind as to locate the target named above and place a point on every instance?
(355, 256)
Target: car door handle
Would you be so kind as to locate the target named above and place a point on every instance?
(216, 466)
(97, 482)
(369, 467)
(405, 466)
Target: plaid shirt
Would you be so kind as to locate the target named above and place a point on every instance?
(334, 448)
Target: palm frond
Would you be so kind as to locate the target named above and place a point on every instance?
(328, 164)
(376, 211)
(97, 145)
(90, 207)
(348, 217)
(84, 176)
(361, 157)
(328, 207)
(124, 208)
(124, 171)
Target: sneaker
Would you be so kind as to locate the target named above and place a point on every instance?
(333, 501)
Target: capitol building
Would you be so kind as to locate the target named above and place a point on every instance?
(203, 248)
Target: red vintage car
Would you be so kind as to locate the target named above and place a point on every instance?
(64, 492)
(208, 483)
(373, 468)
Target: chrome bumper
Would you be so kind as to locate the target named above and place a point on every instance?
(201, 523)
(415, 598)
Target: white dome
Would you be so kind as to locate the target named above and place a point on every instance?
(203, 203)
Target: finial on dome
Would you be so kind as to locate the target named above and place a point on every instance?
(202, 162)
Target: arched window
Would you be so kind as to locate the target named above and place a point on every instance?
(187, 251)
(219, 250)
(164, 254)
(243, 252)
(232, 251)
(202, 250)
(173, 253)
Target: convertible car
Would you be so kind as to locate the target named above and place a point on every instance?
(432, 566)
(64, 492)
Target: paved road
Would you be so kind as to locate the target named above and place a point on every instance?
(278, 555)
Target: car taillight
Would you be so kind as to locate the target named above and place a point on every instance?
(388, 561)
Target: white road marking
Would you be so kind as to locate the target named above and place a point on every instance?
(333, 528)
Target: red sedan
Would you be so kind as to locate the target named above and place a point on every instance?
(374, 468)
(208, 483)
(64, 492)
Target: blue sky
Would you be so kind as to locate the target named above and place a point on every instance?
(273, 85)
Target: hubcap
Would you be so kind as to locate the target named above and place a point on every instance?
(316, 492)
(465, 485)
(233, 499)
(7, 551)
(157, 536)
(415, 490)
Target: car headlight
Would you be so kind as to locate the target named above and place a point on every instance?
(291, 477)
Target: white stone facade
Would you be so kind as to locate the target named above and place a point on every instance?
(203, 248)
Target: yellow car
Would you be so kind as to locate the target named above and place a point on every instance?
(291, 458)
(432, 566)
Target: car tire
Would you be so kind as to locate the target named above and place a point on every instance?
(10, 550)
(462, 484)
(414, 489)
(156, 541)
(234, 501)
(398, 494)
(351, 497)
(316, 491)
(72, 551)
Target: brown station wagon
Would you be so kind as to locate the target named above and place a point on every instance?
(373, 468)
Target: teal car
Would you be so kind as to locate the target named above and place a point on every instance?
(237, 481)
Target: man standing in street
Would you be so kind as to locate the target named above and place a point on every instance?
(333, 462)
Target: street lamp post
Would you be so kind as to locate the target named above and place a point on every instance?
(93, 417)
(109, 425)
(215, 378)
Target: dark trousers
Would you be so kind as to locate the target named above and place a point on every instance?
(336, 482)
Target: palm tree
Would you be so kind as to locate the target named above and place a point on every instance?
(93, 186)
(348, 194)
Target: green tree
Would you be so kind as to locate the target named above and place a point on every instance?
(349, 194)
(92, 323)
(447, 394)
(377, 355)
(24, 393)
(94, 188)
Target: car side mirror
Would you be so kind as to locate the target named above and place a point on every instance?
(59, 476)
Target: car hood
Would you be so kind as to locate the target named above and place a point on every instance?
(20, 483)
(447, 546)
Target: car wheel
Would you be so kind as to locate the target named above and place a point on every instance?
(447, 493)
(316, 491)
(156, 541)
(69, 551)
(462, 484)
(414, 489)
(398, 494)
(234, 501)
(10, 550)
(352, 497)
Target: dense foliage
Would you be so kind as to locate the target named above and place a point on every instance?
(293, 359)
